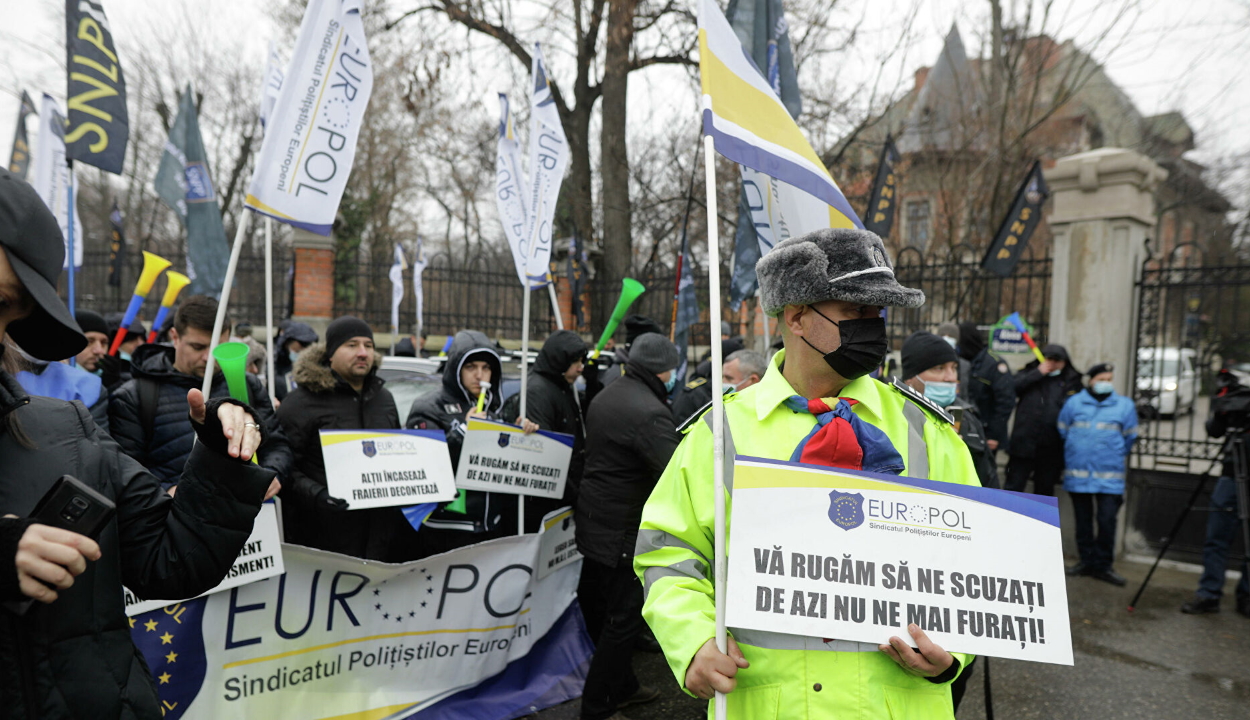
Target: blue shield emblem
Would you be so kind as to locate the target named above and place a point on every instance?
(504, 440)
(846, 510)
(370, 447)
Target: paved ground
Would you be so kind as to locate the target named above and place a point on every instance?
(1154, 663)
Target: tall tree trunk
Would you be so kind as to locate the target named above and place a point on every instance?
(614, 156)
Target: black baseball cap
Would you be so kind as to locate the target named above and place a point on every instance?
(35, 248)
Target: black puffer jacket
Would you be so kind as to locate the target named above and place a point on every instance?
(630, 436)
(166, 451)
(555, 405)
(324, 401)
(75, 658)
(1035, 433)
(446, 411)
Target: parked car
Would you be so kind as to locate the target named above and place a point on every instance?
(409, 378)
(1166, 380)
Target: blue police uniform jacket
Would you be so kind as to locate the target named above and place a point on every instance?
(1097, 438)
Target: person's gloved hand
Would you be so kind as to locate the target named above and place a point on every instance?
(111, 368)
(326, 501)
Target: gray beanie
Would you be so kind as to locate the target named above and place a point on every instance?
(948, 329)
(837, 264)
(654, 353)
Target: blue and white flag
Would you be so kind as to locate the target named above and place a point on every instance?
(397, 287)
(271, 83)
(310, 139)
(53, 179)
(418, 290)
(687, 304)
(510, 192)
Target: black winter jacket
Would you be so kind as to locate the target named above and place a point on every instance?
(74, 658)
(166, 451)
(1041, 398)
(630, 436)
(324, 401)
(446, 411)
(972, 432)
(555, 405)
(990, 386)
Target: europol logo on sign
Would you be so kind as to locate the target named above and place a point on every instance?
(370, 447)
(846, 510)
(504, 440)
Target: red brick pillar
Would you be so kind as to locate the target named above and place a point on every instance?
(314, 278)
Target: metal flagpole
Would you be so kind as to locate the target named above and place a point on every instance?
(269, 374)
(525, 353)
(718, 406)
(70, 238)
(225, 298)
(555, 304)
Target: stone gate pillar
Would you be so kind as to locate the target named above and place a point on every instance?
(1103, 214)
(314, 279)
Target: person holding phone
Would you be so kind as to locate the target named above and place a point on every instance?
(70, 655)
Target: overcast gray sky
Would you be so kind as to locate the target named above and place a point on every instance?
(1166, 55)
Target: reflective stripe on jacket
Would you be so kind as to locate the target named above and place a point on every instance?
(1097, 438)
(790, 676)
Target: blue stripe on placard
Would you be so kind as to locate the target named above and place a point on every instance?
(1042, 508)
(562, 438)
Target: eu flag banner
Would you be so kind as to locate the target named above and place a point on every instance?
(1018, 227)
(310, 136)
(184, 184)
(99, 125)
(19, 156)
(884, 191)
(117, 247)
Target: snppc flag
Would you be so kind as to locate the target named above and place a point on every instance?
(750, 125)
(510, 187)
(310, 138)
(549, 157)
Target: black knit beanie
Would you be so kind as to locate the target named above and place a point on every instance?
(922, 351)
(344, 329)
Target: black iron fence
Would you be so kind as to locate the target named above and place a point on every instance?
(247, 298)
(957, 290)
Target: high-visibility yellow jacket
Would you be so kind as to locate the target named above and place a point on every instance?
(790, 676)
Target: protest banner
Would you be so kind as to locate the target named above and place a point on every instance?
(448, 636)
(261, 558)
(1005, 339)
(383, 468)
(498, 457)
(558, 542)
(831, 553)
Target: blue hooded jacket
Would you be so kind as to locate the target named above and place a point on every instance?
(1097, 438)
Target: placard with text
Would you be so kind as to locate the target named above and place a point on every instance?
(383, 468)
(498, 457)
(835, 554)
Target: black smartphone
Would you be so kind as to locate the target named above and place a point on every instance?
(71, 505)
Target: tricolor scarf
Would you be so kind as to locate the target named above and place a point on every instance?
(840, 439)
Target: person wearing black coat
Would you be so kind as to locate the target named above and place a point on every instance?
(555, 405)
(471, 359)
(1036, 446)
(990, 386)
(630, 436)
(698, 391)
(323, 399)
(294, 339)
(159, 435)
(70, 655)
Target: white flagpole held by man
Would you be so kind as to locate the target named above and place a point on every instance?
(302, 169)
(269, 372)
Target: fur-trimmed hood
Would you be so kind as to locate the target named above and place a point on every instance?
(312, 373)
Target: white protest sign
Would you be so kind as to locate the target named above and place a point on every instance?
(830, 553)
(384, 468)
(557, 542)
(498, 457)
(260, 558)
(337, 636)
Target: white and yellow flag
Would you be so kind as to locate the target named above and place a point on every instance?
(310, 136)
(750, 125)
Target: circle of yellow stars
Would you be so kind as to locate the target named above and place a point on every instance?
(167, 638)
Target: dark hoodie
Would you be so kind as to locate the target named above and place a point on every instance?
(446, 411)
(1036, 432)
(554, 404)
(990, 387)
(324, 401)
(164, 450)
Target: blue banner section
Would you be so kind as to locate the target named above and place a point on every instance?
(552, 673)
(172, 642)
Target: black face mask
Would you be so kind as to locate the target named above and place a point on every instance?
(863, 346)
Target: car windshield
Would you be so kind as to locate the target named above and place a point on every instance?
(408, 391)
(1150, 367)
